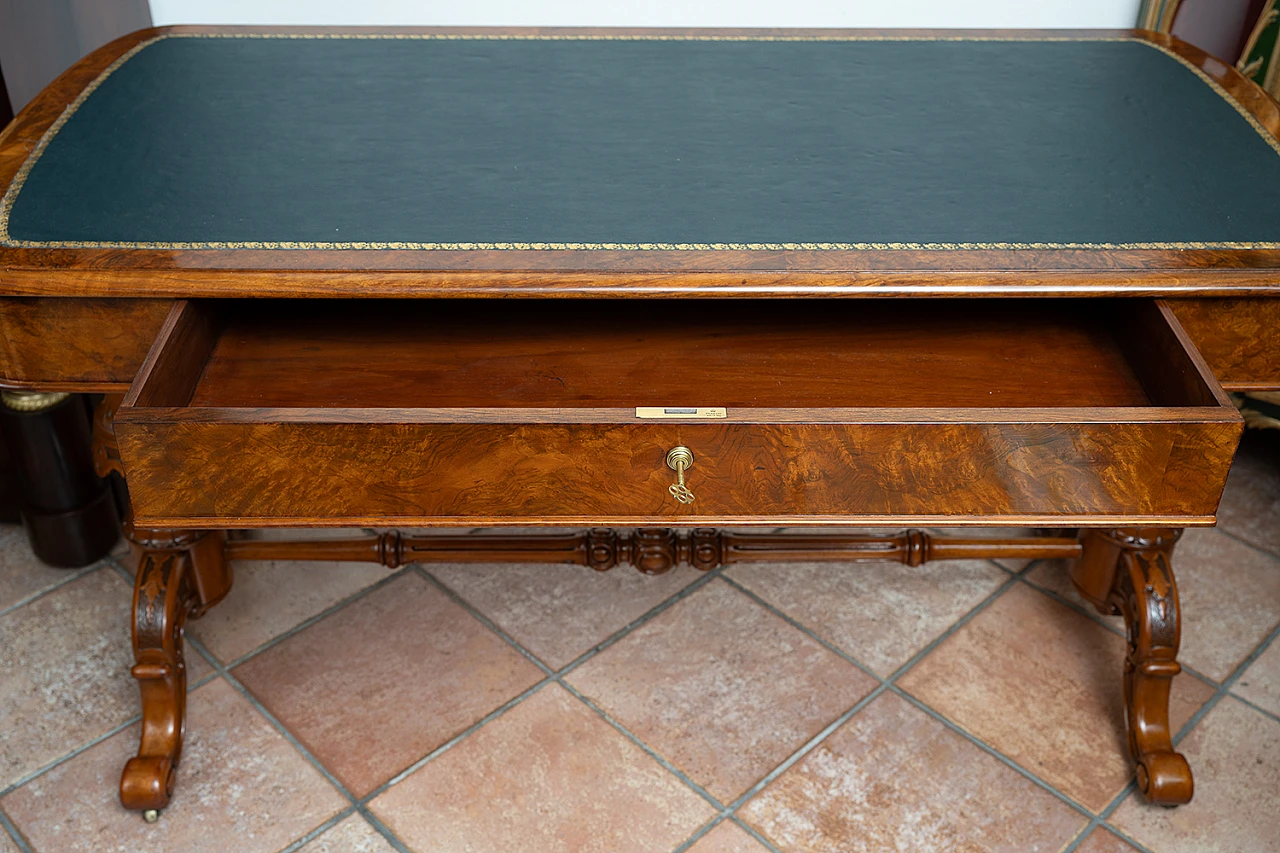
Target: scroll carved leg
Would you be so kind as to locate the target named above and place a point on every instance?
(163, 597)
(181, 574)
(1130, 572)
(178, 578)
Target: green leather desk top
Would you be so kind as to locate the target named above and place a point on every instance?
(197, 141)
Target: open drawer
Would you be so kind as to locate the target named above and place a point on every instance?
(564, 412)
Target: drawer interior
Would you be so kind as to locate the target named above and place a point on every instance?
(737, 354)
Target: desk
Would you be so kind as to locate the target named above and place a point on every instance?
(644, 288)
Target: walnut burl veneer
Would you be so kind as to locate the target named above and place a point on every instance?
(291, 269)
(1239, 338)
(86, 345)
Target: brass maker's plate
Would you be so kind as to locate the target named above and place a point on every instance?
(675, 412)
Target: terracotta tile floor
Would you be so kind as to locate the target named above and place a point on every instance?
(955, 707)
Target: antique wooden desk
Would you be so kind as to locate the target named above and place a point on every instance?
(642, 287)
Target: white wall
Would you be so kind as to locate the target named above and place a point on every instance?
(676, 13)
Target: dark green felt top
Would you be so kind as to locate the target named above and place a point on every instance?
(434, 142)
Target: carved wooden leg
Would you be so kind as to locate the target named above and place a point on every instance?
(163, 597)
(181, 574)
(1130, 572)
(178, 577)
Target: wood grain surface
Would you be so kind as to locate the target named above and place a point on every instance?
(75, 344)
(571, 355)
(230, 475)
(1239, 338)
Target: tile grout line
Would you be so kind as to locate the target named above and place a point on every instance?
(557, 676)
(299, 843)
(71, 577)
(279, 726)
(1258, 651)
(1102, 820)
(1224, 688)
(1074, 844)
(318, 617)
(1124, 836)
(754, 833)
(18, 838)
(1263, 711)
(289, 736)
(993, 752)
(726, 817)
(92, 742)
(1238, 538)
(886, 684)
(729, 811)
(1221, 690)
(87, 745)
(1198, 675)
(644, 747)
(684, 592)
(700, 833)
(383, 830)
(453, 741)
(1008, 571)
(890, 683)
(474, 613)
(807, 747)
(552, 676)
(1104, 817)
(1088, 611)
(1105, 814)
(804, 629)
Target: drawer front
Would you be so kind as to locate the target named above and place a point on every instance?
(195, 474)
(82, 344)
(1239, 338)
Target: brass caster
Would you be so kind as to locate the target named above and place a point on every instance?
(151, 815)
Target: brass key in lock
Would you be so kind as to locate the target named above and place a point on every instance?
(679, 459)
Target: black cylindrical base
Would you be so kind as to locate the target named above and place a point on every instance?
(77, 537)
(69, 512)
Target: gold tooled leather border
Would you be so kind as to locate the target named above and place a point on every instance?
(11, 195)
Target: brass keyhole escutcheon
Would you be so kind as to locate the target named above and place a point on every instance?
(679, 459)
